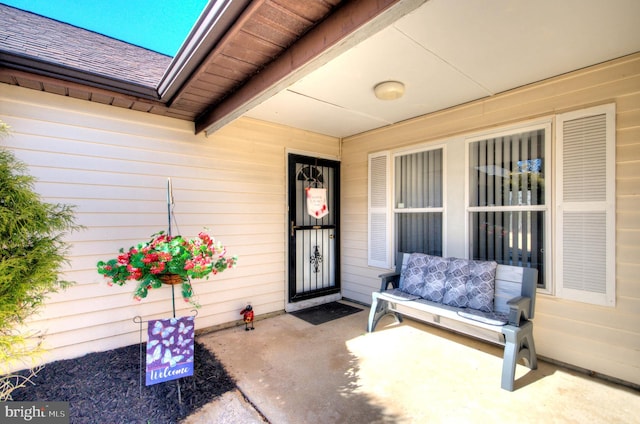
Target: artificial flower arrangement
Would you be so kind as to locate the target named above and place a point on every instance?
(170, 259)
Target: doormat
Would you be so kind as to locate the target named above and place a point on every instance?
(320, 314)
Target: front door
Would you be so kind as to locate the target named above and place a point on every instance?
(314, 190)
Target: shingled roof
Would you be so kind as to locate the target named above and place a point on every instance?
(30, 36)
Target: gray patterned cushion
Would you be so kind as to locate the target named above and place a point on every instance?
(491, 318)
(434, 279)
(400, 295)
(413, 274)
(481, 285)
(455, 286)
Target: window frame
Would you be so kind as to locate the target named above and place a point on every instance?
(440, 209)
(546, 125)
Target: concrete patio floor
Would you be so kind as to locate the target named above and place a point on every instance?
(289, 371)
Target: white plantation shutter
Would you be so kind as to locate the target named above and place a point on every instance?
(585, 190)
(379, 226)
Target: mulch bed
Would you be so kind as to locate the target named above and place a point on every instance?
(104, 388)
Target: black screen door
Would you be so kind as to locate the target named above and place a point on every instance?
(314, 190)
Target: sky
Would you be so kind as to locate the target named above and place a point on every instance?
(158, 25)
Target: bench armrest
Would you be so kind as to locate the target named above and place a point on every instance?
(518, 308)
(389, 278)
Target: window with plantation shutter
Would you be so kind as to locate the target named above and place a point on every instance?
(379, 227)
(585, 192)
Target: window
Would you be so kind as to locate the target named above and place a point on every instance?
(585, 191)
(508, 200)
(417, 207)
(418, 203)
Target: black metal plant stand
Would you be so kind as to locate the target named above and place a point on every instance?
(138, 319)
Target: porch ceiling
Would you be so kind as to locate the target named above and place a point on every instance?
(313, 64)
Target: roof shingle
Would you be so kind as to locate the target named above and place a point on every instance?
(34, 36)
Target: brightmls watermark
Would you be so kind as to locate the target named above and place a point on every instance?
(34, 412)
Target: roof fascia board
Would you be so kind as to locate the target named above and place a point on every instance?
(7, 73)
(60, 72)
(213, 23)
(352, 23)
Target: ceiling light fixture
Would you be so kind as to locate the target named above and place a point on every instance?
(389, 90)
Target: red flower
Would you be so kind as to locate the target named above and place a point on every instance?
(135, 274)
(162, 238)
(164, 256)
(157, 269)
(206, 239)
(123, 259)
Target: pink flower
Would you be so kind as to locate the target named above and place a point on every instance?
(158, 268)
(206, 239)
(150, 257)
(164, 256)
(123, 259)
(162, 238)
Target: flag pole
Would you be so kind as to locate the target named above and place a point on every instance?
(173, 290)
(169, 203)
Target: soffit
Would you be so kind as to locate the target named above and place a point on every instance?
(447, 55)
(312, 65)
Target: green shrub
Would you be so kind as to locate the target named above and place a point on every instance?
(32, 254)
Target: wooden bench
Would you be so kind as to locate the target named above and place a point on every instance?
(509, 324)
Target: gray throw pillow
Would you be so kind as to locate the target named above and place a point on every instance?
(413, 274)
(481, 285)
(434, 278)
(455, 286)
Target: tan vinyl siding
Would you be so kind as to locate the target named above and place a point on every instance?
(113, 164)
(601, 339)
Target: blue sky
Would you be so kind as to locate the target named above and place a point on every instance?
(159, 25)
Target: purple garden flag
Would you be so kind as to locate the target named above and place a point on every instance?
(169, 349)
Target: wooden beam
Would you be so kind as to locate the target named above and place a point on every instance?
(299, 59)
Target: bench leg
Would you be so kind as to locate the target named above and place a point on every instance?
(379, 308)
(518, 345)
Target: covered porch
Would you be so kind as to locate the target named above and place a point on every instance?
(110, 153)
(290, 371)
